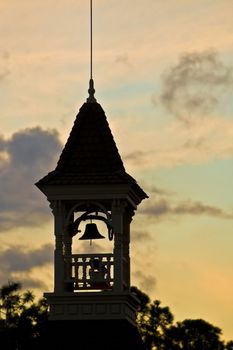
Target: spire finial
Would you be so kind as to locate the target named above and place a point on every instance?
(91, 89)
(91, 98)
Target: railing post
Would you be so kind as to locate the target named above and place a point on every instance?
(84, 272)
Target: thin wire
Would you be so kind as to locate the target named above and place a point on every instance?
(91, 36)
(91, 90)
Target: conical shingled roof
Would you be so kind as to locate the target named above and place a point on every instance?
(90, 155)
(90, 147)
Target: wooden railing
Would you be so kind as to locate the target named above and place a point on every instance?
(89, 271)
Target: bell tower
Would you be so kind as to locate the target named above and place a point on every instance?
(90, 191)
(90, 186)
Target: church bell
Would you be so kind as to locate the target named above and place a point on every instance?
(91, 232)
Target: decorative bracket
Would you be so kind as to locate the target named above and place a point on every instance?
(73, 227)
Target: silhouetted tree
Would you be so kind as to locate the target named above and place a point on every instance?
(159, 332)
(23, 323)
(153, 321)
(229, 345)
(194, 335)
(22, 320)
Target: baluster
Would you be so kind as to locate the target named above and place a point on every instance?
(108, 269)
(84, 272)
(73, 267)
(76, 272)
(81, 264)
(112, 269)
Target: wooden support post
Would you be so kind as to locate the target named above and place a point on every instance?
(59, 246)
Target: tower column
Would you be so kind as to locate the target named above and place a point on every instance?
(126, 248)
(59, 224)
(118, 211)
(67, 237)
(67, 249)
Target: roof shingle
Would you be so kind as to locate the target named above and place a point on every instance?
(90, 155)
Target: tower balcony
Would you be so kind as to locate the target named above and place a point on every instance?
(89, 272)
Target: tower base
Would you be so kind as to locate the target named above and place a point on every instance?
(92, 321)
(92, 335)
(104, 305)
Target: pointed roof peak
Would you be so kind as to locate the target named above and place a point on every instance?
(90, 156)
(90, 149)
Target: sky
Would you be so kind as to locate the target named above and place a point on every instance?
(163, 73)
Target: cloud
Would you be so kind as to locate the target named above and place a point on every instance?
(139, 158)
(195, 84)
(3, 74)
(140, 236)
(4, 65)
(29, 282)
(158, 191)
(17, 258)
(28, 155)
(123, 59)
(144, 281)
(198, 208)
(206, 139)
(17, 263)
(163, 208)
